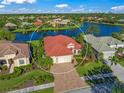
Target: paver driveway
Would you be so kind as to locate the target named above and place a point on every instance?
(66, 77)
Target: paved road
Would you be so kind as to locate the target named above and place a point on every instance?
(44, 86)
(100, 88)
(118, 70)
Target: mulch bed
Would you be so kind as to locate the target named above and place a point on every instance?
(26, 84)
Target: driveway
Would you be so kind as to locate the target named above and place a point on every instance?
(100, 88)
(118, 70)
(66, 77)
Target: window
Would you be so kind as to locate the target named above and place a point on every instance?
(21, 62)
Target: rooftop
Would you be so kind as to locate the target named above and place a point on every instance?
(19, 49)
(57, 45)
(102, 43)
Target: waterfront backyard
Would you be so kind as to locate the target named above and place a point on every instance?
(104, 30)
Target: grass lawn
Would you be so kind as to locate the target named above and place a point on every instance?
(121, 62)
(92, 67)
(15, 82)
(48, 90)
(35, 42)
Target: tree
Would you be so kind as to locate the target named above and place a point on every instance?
(113, 60)
(7, 35)
(117, 35)
(88, 51)
(100, 56)
(119, 52)
(92, 29)
(80, 38)
(119, 88)
(47, 61)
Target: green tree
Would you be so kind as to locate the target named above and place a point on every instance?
(119, 88)
(113, 60)
(80, 38)
(47, 61)
(93, 29)
(7, 35)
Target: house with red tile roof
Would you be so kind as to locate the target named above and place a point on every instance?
(14, 54)
(38, 23)
(61, 48)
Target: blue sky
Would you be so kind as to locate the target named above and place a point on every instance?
(61, 6)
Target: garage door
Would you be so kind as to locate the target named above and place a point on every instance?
(108, 54)
(63, 59)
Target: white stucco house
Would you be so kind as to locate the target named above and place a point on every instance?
(14, 54)
(104, 44)
(61, 48)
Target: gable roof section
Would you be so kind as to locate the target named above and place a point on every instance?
(57, 45)
(101, 44)
(7, 48)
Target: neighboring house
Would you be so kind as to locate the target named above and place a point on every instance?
(10, 26)
(14, 54)
(26, 25)
(38, 23)
(61, 48)
(105, 44)
(121, 21)
(59, 21)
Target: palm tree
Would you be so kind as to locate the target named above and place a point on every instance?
(100, 57)
(113, 60)
(88, 51)
(120, 50)
(48, 61)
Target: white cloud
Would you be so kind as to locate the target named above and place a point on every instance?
(80, 9)
(22, 9)
(2, 6)
(17, 1)
(61, 6)
(118, 8)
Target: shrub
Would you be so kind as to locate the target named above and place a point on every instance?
(119, 88)
(17, 71)
(4, 68)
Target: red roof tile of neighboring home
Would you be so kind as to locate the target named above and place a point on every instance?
(38, 23)
(57, 45)
(18, 49)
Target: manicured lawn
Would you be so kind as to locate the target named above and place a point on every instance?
(15, 82)
(121, 61)
(35, 42)
(49, 90)
(92, 68)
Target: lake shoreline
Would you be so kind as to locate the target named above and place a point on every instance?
(46, 29)
(108, 24)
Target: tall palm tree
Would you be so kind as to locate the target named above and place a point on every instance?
(113, 60)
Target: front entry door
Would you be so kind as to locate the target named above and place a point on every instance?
(56, 60)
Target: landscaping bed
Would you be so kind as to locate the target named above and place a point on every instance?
(37, 76)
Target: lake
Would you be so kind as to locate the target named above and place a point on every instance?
(105, 30)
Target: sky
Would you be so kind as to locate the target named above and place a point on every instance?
(61, 6)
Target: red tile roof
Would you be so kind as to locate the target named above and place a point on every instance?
(57, 45)
(38, 23)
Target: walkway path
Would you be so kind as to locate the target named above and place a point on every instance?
(118, 70)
